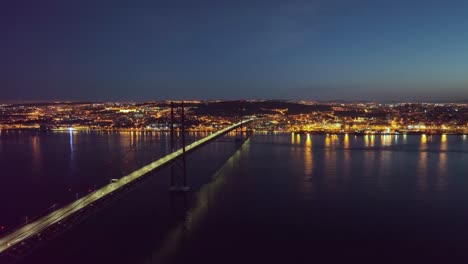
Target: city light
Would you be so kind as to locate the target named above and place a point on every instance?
(312, 117)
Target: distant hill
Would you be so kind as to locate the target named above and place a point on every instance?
(233, 108)
(51, 103)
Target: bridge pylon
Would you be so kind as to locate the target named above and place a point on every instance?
(239, 132)
(178, 166)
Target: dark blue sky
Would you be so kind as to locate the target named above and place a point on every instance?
(148, 50)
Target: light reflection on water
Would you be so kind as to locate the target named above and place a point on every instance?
(422, 171)
(346, 141)
(346, 157)
(383, 159)
(308, 165)
(308, 157)
(423, 141)
(365, 175)
(309, 189)
(443, 143)
(36, 153)
(386, 140)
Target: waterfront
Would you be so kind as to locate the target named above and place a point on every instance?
(281, 197)
(276, 115)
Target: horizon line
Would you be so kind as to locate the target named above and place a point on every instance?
(61, 101)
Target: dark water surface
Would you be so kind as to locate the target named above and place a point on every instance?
(284, 198)
(40, 170)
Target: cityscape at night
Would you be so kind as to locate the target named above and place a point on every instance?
(213, 131)
(276, 116)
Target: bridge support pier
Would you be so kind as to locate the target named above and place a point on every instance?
(178, 179)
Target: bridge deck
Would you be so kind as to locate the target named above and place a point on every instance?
(58, 215)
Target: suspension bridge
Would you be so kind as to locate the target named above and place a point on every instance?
(35, 228)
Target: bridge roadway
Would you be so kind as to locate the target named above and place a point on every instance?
(36, 227)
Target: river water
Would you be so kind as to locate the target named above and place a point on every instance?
(278, 198)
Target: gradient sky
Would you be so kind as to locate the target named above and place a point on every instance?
(149, 50)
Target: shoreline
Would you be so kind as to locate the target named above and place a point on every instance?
(356, 133)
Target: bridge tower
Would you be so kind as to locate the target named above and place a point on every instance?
(178, 167)
(239, 132)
